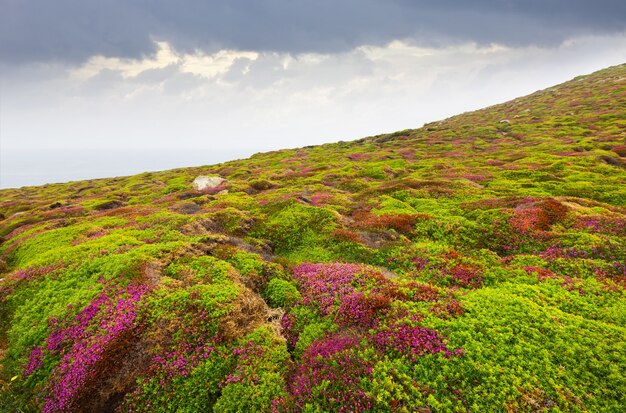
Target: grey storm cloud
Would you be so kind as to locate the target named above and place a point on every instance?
(74, 30)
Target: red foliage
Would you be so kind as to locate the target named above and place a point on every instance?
(528, 219)
(553, 210)
(450, 309)
(64, 212)
(403, 223)
(423, 292)
(538, 216)
(320, 198)
(620, 150)
(465, 275)
(452, 255)
(346, 235)
(361, 309)
(389, 290)
(542, 273)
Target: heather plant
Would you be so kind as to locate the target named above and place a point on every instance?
(330, 377)
(80, 348)
(195, 390)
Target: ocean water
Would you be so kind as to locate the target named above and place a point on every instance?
(28, 167)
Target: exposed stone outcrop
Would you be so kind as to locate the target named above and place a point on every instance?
(204, 183)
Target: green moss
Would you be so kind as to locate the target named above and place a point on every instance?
(281, 293)
(260, 379)
(389, 205)
(502, 328)
(298, 227)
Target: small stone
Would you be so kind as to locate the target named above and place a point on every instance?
(203, 183)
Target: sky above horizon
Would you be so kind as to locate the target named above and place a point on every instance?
(98, 88)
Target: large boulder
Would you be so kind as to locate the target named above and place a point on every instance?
(204, 183)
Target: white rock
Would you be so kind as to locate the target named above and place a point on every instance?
(202, 182)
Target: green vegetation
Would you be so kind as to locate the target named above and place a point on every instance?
(477, 264)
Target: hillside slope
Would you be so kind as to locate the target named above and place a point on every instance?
(475, 264)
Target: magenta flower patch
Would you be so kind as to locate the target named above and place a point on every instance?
(82, 342)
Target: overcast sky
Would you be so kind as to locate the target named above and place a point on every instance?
(96, 88)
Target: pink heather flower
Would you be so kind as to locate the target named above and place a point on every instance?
(34, 361)
(330, 366)
(328, 285)
(412, 341)
(112, 316)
